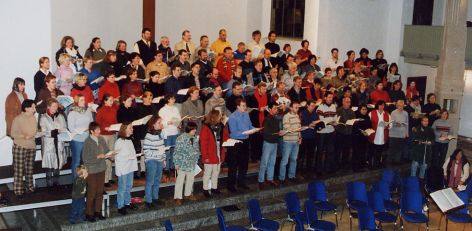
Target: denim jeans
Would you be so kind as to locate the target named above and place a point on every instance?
(77, 210)
(76, 150)
(153, 179)
(414, 167)
(289, 153)
(269, 153)
(170, 142)
(125, 183)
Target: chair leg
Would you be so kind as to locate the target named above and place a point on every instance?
(447, 221)
(401, 222)
(427, 225)
(342, 212)
(350, 222)
(321, 215)
(336, 216)
(440, 221)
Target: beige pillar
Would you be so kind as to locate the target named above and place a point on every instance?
(449, 85)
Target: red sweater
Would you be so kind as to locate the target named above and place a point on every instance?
(225, 68)
(208, 145)
(108, 88)
(106, 116)
(377, 95)
(375, 121)
(86, 92)
(132, 88)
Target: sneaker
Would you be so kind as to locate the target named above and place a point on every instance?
(216, 191)
(190, 198)
(90, 218)
(206, 193)
(177, 201)
(100, 216)
(122, 211)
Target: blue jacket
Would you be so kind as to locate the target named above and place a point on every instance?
(238, 123)
(306, 119)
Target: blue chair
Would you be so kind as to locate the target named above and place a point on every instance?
(468, 189)
(299, 225)
(462, 215)
(317, 193)
(222, 224)
(256, 219)
(312, 218)
(391, 178)
(411, 184)
(356, 198)
(384, 189)
(411, 208)
(376, 203)
(168, 225)
(366, 219)
(293, 207)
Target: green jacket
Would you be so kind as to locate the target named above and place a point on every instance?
(186, 152)
(418, 152)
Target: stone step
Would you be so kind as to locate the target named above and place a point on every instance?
(190, 216)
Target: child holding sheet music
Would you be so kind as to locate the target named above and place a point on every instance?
(155, 157)
(212, 136)
(125, 165)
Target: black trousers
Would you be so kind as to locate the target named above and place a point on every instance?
(237, 160)
(325, 150)
(359, 151)
(343, 149)
(375, 154)
(256, 141)
(306, 155)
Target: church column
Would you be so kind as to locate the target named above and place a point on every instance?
(311, 22)
(449, 85)
(149, 15)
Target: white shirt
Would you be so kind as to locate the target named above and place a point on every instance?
(125, 159)
(333, 64)
(169, 113)
(379, 134)
(256, 48)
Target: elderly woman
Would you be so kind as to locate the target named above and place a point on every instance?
(14, 101)
(68, 47)
(193, 108)
(94, 156)
(52, 123)
(80, 87)
(77, 121)
(24, 148)
(64, 74)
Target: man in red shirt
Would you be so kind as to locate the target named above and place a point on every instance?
(226, 67)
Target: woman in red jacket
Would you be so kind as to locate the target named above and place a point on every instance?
(106, 116)
(379, 94)
(80, 87)
(212, 136)
(109, 87)
(380, 120)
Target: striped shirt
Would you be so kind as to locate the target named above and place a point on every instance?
(153, 147)
(327, 114)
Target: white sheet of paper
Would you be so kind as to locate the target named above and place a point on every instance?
(251, 131)
(98, 80)
(446, 199)
(231, 142)
(182, 91)
(115, 127)
(197, 170)
(157, 99)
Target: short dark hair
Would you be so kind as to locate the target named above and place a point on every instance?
(153, 73)
(429, 96)
(123, 127)
(27, 103)
(239, 101)
(194, 64)
(167, 97)
(312, 57)
(202, 37)
(271, 32)
(378, 103)
(190, 126)
(364, 50)
(109, 73)
(134, 55)
(199, 52)
(235, 84)
(305, 41)
(349, 53)
(227, 48)
(256, 32)
(175, 65)
(338, 69)
(181, 51)
(334, 49)
(145, 29)
(92, 126)
(185, 31)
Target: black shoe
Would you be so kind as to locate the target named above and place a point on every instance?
(158, 202)
(206, 193)
(216, 191)
(143, 174)
(107, 185)
(90, 218)
(100, 216)
(131, 207)
(122, 211)
(149, 205)
(243, 186)
(232, 189)
(111, 181)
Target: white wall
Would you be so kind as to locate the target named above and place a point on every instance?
(207, 17)
(110, 20)
(466, 109)
(469, 10)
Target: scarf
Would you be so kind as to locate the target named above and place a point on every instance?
(262, 102)
(455, 177)
(78, 109)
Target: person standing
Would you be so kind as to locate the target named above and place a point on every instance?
(13, 102)
(185, 159)
(292, 139)
(325, 145)
(186, 44)
(238, 155)
(41, 74)
(421, 150)
(79, 187)
(380, 123)
(442, 129)
(398, 133)
(24, 148)
(344, 133)
(145, 47)
(309, 118)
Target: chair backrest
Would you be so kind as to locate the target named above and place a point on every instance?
(465, 198)
(383, 188)
(168, 225)
(388, 176)
(299, 226)
(376, 201)
(310, 211)
(411, 201)
(411, 184)
(468, 188)
(317, 191)
(221, 219)
(293, 204)
(366, 219)
(356, 191)
(254, 210)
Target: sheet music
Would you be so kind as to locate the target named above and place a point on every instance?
(182, 91)
(231, 142)
(446, 199)
(251, 131)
